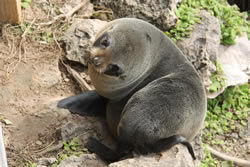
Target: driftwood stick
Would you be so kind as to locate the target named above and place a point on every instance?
(224, 157)
(84, 85)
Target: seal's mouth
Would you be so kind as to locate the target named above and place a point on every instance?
(100, 65)
(113, 70)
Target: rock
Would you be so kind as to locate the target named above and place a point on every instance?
(38, 142)
(158, 12)
(85, 160)
(177, 156)
(202, 47)
(45, 161)
(50, 110)
(77, 40)
(235, 61)
(84, 127)
(85, 11)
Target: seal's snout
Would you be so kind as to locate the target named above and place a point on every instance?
(96, 61)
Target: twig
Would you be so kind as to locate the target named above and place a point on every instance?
(67, 15)
(28, 28)
(104, 11)
(20, 48)
(84, 85)
(101, 7)
(50, 149)
(236, 161)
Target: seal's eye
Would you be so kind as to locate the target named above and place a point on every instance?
(102, 42)
(105, 43)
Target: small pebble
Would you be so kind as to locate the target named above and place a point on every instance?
(66, 79)
(38, 142)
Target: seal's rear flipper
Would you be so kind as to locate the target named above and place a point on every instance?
(167, 143)
(101, 150)
(106, 154)
(86, 104)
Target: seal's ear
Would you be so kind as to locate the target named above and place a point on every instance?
(148, 37)
(103, 41)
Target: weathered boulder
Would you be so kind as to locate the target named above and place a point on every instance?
(85, 11)
(235, 61)
(177, 156)
(158, 12)
(85, 160)
(77, 40)
(46, 162)
(202, 47)
(84, 127)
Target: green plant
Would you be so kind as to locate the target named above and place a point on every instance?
(227, 113)
(232, 21)
(217, 79)
(25, 3)
(72, 147)
(187, 16)
(31, 164)
(208, 160)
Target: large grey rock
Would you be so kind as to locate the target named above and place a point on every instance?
(202, 47)
(84, 127)
(85, 11)
(158, 12)
(85, 160)
(235, 61)
(77, 40)
(45, 162)
(177, 156)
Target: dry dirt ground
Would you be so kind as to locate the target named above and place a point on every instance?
(29, 79)
(34, 81)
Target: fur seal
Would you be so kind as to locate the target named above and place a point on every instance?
(152, 96)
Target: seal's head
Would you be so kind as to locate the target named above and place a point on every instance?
(120, 57)
(101, 58)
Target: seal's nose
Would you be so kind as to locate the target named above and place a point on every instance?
(96, 60)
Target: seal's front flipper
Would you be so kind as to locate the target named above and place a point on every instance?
(167, 143)
(86, 104)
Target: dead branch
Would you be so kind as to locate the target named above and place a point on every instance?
(104, 11)
(27, 29)
(83, 84)
(224, 157)
(50, 149)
